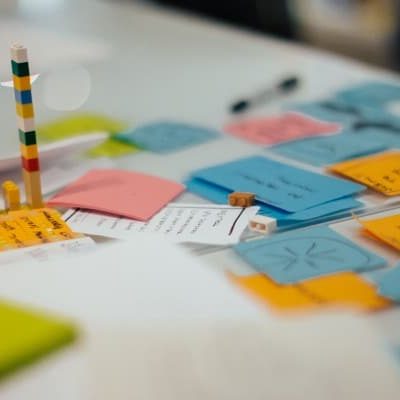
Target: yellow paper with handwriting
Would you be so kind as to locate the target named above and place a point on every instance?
(380, 172)
(342, 290)
(386, 229)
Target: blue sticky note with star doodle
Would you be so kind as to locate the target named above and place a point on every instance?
(299, 255)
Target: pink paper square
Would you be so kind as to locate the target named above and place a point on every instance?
(125, 193)
(283, 128)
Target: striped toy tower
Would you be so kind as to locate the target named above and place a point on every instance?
(26, 126)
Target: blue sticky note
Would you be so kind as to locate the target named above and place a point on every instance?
(389, 283)
(278, 185)
(298, 255)
(329, 110)
(219, 195)
(167, 136)
(371, 94)
(330, 149)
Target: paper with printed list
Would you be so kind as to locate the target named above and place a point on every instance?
(194, 223)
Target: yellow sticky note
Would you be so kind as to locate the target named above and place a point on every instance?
(343, 290)
(79, 124)
(112, 148)
(380, 172)
(386, 229)
(26, 335)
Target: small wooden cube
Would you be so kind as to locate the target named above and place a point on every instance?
(241, 199)
(262, 224)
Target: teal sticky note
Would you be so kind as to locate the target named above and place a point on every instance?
(278, 185)
(167, 136)
(328, 110)
(371, 94)
(219, 195)
(389, 283)
(331, 149)
(298, 255)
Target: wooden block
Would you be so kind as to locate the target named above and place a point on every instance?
(27, 138)
(23, 97)
(262, 224)
(20, 68)
(29, 152)
(19, 53)
(30, 165)
(22, 82)
(33, 188)
(241, 199)
(25, 124)
(24, 110)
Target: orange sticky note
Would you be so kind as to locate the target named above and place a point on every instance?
(386, 229)
(344, 289)
(124, 193)
(380, 172)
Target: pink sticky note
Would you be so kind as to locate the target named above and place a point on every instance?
(125, 193)
(283, 128)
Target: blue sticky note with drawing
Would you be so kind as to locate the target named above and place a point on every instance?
(279, 185)
(299, 255)
(389, 283)
(167, 136)
(331, 149)
(219, 195)
(370, 94)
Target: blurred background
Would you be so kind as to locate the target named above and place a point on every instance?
(368, 30)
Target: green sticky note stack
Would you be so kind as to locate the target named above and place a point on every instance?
(27, 335)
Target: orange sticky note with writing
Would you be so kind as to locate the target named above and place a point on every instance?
(386, 229)
(124, 193)
(345, 289)
(380, 172)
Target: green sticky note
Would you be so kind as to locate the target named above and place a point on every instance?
(79, 124)
(112, 148)
(27, 335)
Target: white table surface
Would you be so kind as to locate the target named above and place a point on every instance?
(147, 63)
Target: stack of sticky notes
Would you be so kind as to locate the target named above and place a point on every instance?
(288, 194)
(26, 335)
(309, 269)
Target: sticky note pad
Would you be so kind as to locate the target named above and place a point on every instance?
(272, 130)
(295, 256)
(344, 289)
(372, 94)
(380, 172)
(124, 193)
(330, 149)
(167, 136)
(219, 195)
(389, 283)
(282, 186)
(386, 229)
(27, 335)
